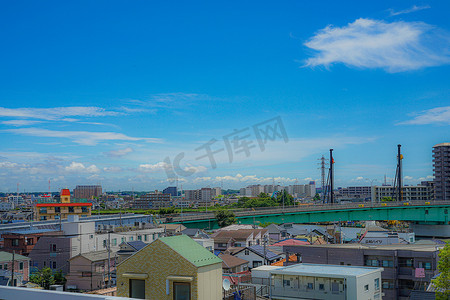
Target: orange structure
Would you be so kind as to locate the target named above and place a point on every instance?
(59, 209)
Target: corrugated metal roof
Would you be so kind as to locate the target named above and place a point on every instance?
(191, 250)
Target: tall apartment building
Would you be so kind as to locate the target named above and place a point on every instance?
(423, 192)
(172, 190)
(61, 208)
(441, 168)
(87, 191)
(155, 200)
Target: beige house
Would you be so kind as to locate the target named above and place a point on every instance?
(174, 267)
(89, 271)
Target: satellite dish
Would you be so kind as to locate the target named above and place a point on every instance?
(226, 284)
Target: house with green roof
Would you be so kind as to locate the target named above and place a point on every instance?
(173, 267)
(21, 265)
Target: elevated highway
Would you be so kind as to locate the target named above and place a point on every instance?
(421, 212)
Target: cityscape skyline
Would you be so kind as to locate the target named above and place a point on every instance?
(116, 101)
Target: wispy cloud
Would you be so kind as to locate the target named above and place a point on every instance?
(80, 137)
(56, 113)
(414, 8)
(20, 122)
(438, 115)
(394, 47)
(119, 152)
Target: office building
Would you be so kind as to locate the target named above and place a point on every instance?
(422, 192)
(154, 200)
(171, 190)
(441, 168)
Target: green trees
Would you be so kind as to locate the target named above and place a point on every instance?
(386, 199)
(43, 277)
(225, 218)
(442, 282)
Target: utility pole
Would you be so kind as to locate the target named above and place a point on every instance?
(399, 178)
(323, 163)
(12, 269)
(331, 177)
(109, 259)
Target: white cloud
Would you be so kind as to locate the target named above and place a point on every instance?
(438, 115)
(112, 169)
(414, 8)
(119, 152)
(56, 113)
(408, 178)
(394, 47)
(249, 179)
(81, 168)
(359, 178)
(160, 166)
(20, 122)
(80, 137)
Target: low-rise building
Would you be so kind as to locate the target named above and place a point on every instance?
(400, 262)
(91, 271)
(155, 200)
(21, 265)
(171, 268)
(258, 255)
(22, 241)
(422, 192)
(313, 281)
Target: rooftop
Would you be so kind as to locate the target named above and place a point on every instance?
(230, 261)
(326, 270)
(6, 256)
(413, 247)
(442, 145)
(190, 250)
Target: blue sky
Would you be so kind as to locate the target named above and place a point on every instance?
(110, 92)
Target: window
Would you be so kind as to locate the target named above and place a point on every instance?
(91, 236)
(366, 288)
(321, 287)
(5, 266)
(286, 282)
(57, 209)
(335, 287)
(71, 210)
(52, 247)
(21, 266)
(388, 263)
(139, 237)
(146, 237)
(122, 240)
(221, 245)
(425, 265)
(53, 264)
(137, 288)
(43, 210)
(257, 263)
(131, 238)
(86, 274)
(377, 284)
(114, 242)
(15, 242)
(181, 291)
(43, 218)
(310, 286)
(84, 209)
(246, 252)
(104, 243)
(1, 267)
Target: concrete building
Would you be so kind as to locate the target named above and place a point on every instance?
(171, 268)
(441, 168)
(422, 192)
(155, 200)
(400, 263)
(87, 191)
(171, 190)
(22, 241)
(315, 281)
(54, 209)
(355, 192)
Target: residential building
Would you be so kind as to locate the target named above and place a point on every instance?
(233, 264)
(410, 193)
(54, 209)
(22, 241)
(258, 255)
(6, 206)
(171, 190)
(171, 268)
(90, 271)
(16, 200)
(441, 168)
(80, 237)
(155, 200)
(87, 191)
(334, 282)
(354, 192)
(240, 238)
(21, 265)
(172, 229)
(129, 248)
(400, 262)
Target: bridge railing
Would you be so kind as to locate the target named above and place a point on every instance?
(302, 208)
